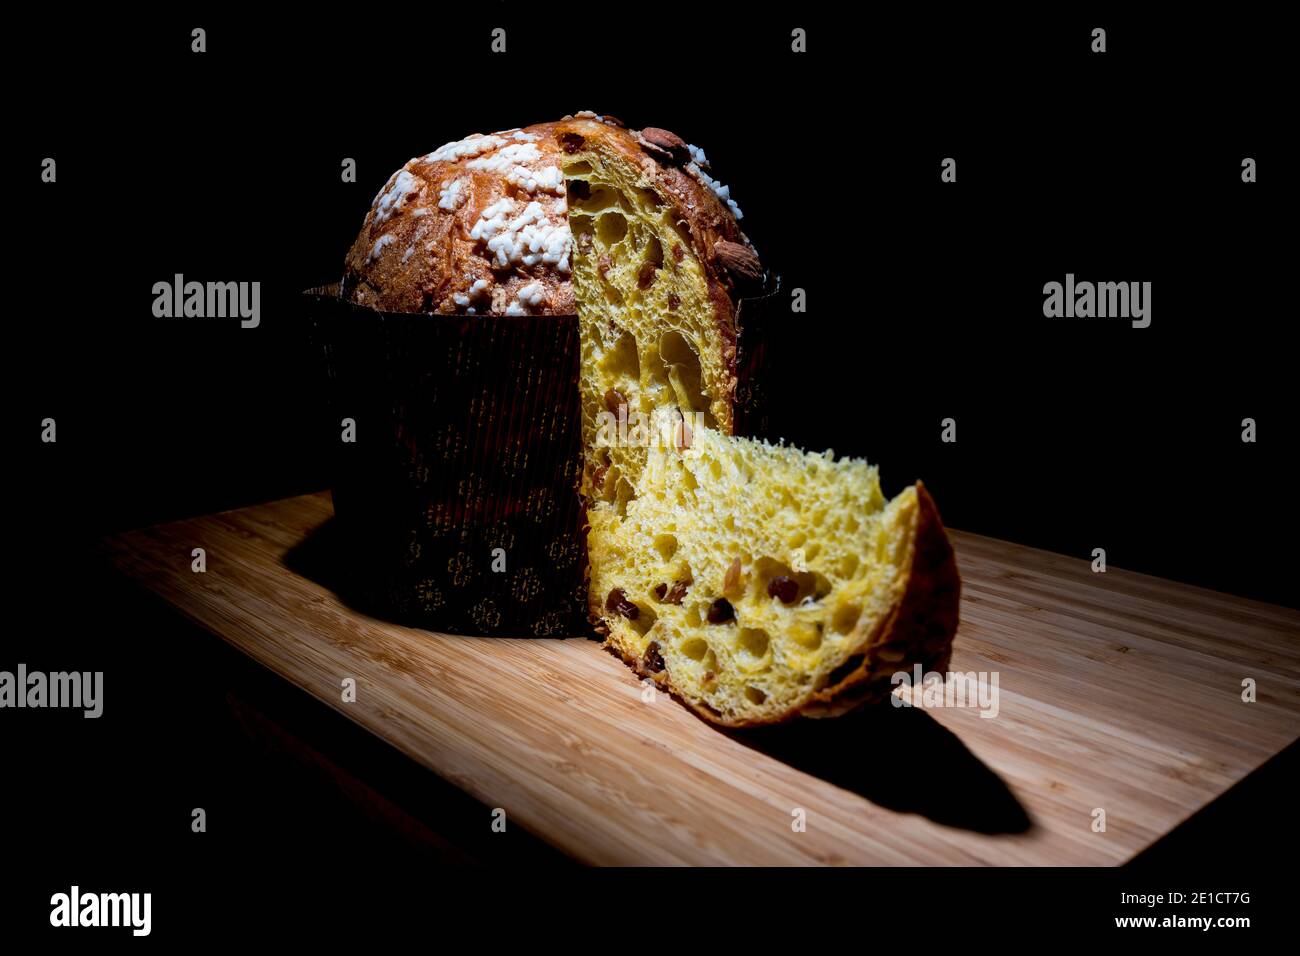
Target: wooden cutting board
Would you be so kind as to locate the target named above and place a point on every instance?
(1118, 692)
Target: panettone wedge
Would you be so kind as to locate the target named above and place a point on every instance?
(758, 582)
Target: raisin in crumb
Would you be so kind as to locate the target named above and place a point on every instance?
(614, 399)
(617, 603)
(652, 659)
(783, 588)
(721, 611)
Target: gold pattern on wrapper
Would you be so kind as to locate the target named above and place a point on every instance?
(468, 448)
(486, 617)
(468, 438)
(527, 585)
(461, 570)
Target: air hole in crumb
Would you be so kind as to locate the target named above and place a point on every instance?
(611, 228)
(695, 648)
(682, 363)
(754, 695)
(623, 493)
(654, 252)
(582, 227)
(666, 545)
(753, 641)
(645, 619)
(683, 233)
(598, 199)
(621, 361)
(846, 618)
(674, 349)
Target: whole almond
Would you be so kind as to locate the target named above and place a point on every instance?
(667, 142)
(740, 261)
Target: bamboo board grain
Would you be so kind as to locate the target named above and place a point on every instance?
(1117, 691)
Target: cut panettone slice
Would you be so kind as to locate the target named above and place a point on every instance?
(658, 263)
(758, 582)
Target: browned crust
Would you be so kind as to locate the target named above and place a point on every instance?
(445, 260)
(920, 628)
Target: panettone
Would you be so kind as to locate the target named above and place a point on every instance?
(755, 581)
(758, 582)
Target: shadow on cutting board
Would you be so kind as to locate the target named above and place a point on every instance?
(926, 768)
(323, 556)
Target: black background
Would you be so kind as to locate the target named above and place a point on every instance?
(924, 298)
(924, 302)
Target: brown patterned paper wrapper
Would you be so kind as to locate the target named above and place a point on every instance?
(468, 440)
(457, 502)
(759, 319)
